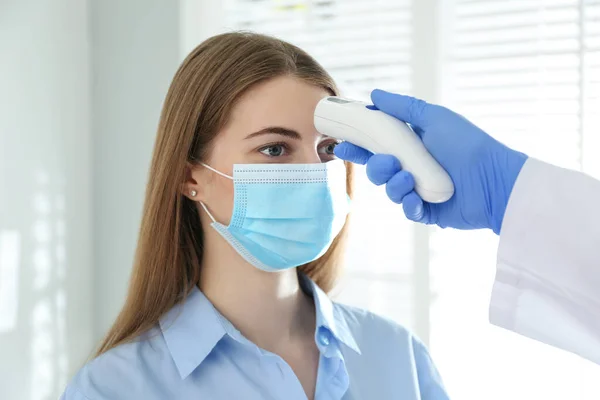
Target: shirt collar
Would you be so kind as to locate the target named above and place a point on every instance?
(194, 327)
(191, 330)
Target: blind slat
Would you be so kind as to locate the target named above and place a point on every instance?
(519, 33)
(497, 55)
(499, 8)
(343, 21)
(482, 23)
(516, 80)
(541, 91)
(516, 64)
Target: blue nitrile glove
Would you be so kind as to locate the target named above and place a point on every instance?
(483, 170)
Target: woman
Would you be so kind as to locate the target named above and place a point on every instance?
(243, 190)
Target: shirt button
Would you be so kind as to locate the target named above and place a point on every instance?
(324, 338)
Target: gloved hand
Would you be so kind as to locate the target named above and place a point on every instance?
(483, 170)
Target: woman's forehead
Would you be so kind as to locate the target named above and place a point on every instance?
(279, 101)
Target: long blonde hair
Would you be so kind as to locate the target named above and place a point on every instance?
(197, 105)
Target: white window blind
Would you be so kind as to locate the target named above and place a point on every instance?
(526, 71)
(362, 44)
(591, 87)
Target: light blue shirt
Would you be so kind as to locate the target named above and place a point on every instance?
(195, 353)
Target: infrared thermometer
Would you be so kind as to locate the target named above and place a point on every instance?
(380, 133)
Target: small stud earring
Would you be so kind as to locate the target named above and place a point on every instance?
(193, 193)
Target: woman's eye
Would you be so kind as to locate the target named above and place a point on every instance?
(329, 148)
(275, 150)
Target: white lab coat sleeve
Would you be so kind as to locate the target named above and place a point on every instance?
(547, 283)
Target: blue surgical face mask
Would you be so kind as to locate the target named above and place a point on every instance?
(284, 215)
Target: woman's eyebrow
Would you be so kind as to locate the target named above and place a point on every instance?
(278, 130)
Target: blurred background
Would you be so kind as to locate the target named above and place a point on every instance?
(81, 87)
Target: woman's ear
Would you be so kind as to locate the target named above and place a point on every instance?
(195, 176)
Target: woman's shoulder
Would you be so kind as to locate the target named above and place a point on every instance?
(366, 323)
(376, 334)
(390, 347)
(123, 372)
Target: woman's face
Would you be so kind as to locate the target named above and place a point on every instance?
(271, 123)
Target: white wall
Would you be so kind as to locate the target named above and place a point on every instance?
(199, 20)
(137, 46)
(81, 87)
(45, 196)
(135, 53)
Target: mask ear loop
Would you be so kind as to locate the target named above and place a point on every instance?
(216, 172)
(204, 205)
(207, 212)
